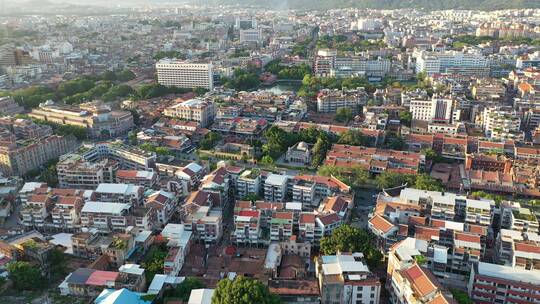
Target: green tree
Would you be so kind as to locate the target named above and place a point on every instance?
(390, 180)
(267, 160)
(354, 138)
(426, 182)
(405, 117)
(153, 262)
(461, 297)
(50, 176)
(243, 291)
(183, 290)
(343, 115)
(319, 150)
(347, 238)
(25, 276)
(209, 140)
(125, 75)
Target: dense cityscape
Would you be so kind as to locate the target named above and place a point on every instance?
(237, 152)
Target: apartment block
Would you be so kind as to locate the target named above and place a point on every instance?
(75, 172)
(281, 225)
(206, 224)
(491, 283)
(23, 156)
(185, 74)
(119, 193)
(275, 188)
(329, 101)
(248, 183)
(345, 278)
(517, 218)
(247, 227)
(128, 157)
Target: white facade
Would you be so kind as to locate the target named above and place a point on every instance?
(185, 74)
(436, 109)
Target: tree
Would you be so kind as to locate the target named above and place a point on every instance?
(405, 117)
(209, 140)
(461, 297)
(125, 75)
(252, 197)
(319, 150)
(347, 238)
(354, 176)
(183, 290)
(432, 155)
(343, 115)
(243, 291)
(153, 262)
(426, 182)
(390, 180)
(354, 138)
(50, 176)
(267, 160)
(132, 137)
(25, 276)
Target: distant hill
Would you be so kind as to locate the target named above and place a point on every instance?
(386, 4)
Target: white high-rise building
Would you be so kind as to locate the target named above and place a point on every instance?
(185, 74)
(453, 62)
(436, 109)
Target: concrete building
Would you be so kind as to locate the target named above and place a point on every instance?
(501, 123)
(200, 111)
(185, 74)
(75, 172)
(248, 183)
(491, 283)
(329, 101)
(251, 36)
(275, 188)
(98, 119)
(18, 158)
(345, 278)
(453, 62)
(434, 110)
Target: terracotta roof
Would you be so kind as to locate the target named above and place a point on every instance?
(307, 218)
(421, 283)
(380, 223)
(329, 219)
(101, 278)
(467, 237)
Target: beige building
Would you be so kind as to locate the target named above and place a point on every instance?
(197, 110)
(98, 119)
(23, 156)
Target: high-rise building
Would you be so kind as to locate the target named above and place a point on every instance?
(185, 74)
(465, 64)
